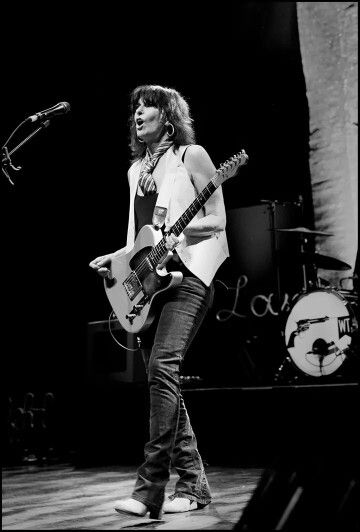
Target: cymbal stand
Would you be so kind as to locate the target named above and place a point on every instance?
(303, 243)
(309, 281)
(272, 206)
(284, 372)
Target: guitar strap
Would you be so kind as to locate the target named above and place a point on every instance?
(163, 199)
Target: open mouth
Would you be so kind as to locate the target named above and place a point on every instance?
(139, 122)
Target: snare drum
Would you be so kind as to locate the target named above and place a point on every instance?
(318, 331)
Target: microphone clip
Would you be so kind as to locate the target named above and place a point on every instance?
(6, 164)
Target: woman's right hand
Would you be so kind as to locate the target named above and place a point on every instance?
(100, 264)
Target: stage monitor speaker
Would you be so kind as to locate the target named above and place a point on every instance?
(109, 362)
(312, 481)
(303, 496)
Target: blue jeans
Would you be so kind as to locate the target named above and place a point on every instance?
(172, 441)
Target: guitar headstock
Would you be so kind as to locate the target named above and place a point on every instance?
(230, 167)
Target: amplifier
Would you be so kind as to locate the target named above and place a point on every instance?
(262, 255)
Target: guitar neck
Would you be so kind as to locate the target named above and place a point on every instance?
(160, 249)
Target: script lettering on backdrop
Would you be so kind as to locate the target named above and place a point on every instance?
(260, 304)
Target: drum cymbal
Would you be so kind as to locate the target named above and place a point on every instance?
(323, 261)
(304, 230)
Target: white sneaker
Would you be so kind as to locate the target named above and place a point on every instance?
(132, 507)
(179, 505)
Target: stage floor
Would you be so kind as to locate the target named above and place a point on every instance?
(65, 497)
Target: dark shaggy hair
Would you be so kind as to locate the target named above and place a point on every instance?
(175, 109)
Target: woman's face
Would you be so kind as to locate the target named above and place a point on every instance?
(148, 122)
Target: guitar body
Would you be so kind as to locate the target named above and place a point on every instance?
(139, 276)
(131, 295)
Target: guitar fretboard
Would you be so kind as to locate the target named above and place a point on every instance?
(159, 250)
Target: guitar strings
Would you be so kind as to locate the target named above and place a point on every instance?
(143, 266)
(188, 215)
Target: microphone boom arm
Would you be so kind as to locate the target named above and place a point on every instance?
(5, 155)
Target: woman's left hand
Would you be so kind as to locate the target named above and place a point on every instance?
(171, 241)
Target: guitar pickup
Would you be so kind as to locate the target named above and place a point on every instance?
(132, 285)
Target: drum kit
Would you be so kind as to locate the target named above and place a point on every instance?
(321, 323)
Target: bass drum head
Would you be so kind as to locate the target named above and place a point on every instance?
(318, 332)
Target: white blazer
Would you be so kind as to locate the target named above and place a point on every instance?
(201, 255)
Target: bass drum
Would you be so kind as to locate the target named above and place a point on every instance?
(318, 331)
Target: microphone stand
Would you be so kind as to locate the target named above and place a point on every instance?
(6, 163)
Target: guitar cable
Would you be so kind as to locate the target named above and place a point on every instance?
(138, 339)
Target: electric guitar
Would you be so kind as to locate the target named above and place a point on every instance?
(137, 277)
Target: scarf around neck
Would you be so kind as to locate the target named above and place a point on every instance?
(146, 180)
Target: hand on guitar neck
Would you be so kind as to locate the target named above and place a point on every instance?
(171, 241)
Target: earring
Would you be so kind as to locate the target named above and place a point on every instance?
(173, 129)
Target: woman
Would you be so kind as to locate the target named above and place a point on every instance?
(162, 138)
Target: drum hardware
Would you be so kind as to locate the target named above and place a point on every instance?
(350, 295)
(309, 271)
(320, 323)
(285, 372)
(272, 204)
(311, 260)
(352, 278)
(323, 261)
(324, 283)
(319, 330)
(304, 231)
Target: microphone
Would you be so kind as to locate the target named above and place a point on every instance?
(58, 109)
